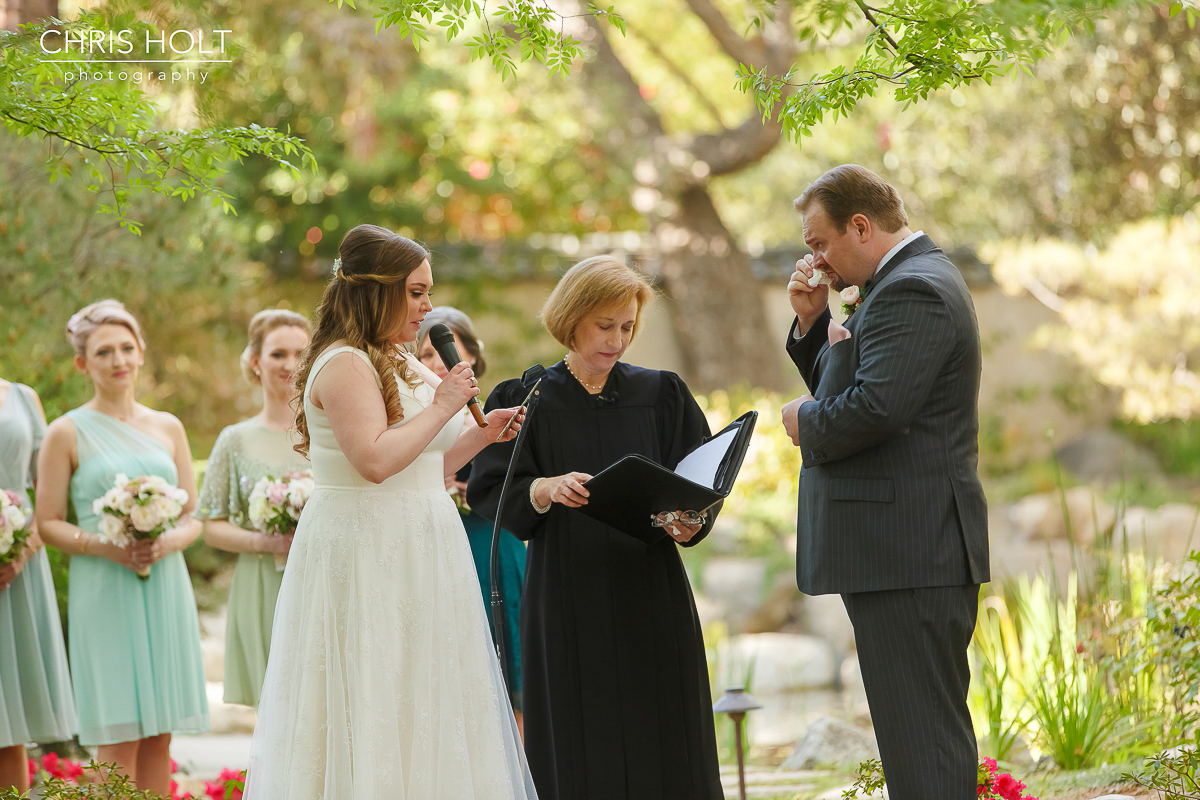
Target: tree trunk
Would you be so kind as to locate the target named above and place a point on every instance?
(715, 301)
(23, 12)
(716, 305)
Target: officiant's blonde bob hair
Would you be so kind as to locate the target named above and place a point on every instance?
(594, 284)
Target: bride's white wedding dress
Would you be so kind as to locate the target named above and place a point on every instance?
(382, 682)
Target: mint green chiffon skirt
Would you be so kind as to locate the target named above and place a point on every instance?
(135, 651)
(35, 686)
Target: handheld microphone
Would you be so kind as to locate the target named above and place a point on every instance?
(443, 341)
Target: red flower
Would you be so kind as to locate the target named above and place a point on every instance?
(51, 765)
(1008, 787)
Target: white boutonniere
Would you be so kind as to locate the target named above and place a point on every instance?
(851, 299)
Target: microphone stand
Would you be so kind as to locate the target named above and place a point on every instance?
(499, 637)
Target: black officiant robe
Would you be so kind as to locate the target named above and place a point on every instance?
(617, 699)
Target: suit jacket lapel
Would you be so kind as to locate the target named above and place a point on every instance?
(922, 244)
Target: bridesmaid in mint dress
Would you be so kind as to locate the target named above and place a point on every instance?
(134, 644)
(35, 687)
(245, 452)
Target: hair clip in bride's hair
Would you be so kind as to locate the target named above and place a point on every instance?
(337, 267)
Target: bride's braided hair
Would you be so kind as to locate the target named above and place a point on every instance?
(363, 304)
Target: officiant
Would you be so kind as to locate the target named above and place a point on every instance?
(617, 700)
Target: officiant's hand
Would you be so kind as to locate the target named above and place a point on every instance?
(680, 531)
(566, 489)
(807, 301)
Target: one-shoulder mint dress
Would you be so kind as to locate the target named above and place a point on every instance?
(134, 644)
(35, 686)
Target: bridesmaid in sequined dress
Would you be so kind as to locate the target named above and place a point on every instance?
(245, 452)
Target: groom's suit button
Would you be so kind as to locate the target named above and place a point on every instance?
(818, 455)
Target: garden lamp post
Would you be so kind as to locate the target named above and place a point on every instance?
(736, 702)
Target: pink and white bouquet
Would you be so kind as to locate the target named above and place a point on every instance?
(138, 508)
(276, 503)
(14, 526)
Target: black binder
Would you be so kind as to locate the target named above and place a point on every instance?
(628, 493)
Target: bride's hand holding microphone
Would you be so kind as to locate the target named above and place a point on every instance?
(457, 388)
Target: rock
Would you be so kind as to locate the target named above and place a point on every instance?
(1167, 532)
(1177, 751)
(1106, 457)
(214, 660)
(736, 585)
(227, 717)
(824, 615)
(854, 694)
(775, 662)
(782, 605)
(836, 794)
(212, 645)
(708, 611)
(1040, 516)
(832, 743)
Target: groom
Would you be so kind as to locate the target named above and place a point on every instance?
(891, 512)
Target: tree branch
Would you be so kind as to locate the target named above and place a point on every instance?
(679, 73)
(878, 26)
(733, 45)
(64, 137)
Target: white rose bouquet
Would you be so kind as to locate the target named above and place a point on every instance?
(276, 503)
(14, 526)
(138, 508)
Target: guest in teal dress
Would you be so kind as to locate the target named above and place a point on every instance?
(35, 687)
(254, 448)
(511, 551)
(134, 644)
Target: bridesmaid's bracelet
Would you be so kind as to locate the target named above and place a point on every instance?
(84, 540)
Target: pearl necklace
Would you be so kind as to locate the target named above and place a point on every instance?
(583, 383)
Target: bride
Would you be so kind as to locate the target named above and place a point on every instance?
(382, 682)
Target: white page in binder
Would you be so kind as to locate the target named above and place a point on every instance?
(702, 464)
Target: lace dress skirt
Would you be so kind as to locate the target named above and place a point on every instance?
(382, 682)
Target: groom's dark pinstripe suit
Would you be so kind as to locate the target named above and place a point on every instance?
(891, 512)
